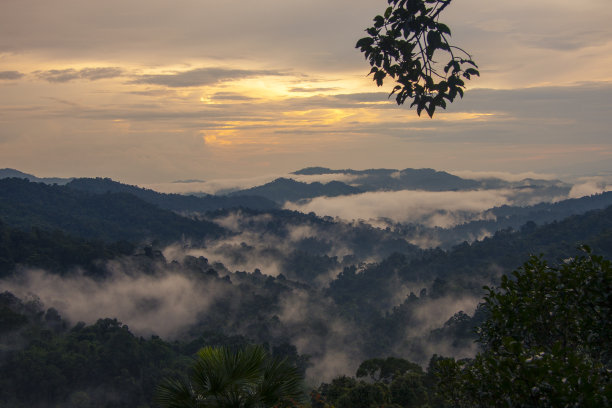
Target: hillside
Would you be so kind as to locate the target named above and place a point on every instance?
(284, 189)
(109, 217)
(12, 173)
(174, 202)
(500, 218)
(429, 180)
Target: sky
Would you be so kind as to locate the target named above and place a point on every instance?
(157, 90)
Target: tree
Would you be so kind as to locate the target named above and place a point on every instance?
(221, 377)
(402, 44)
(546, 341)
(390, 383)
(379, 370)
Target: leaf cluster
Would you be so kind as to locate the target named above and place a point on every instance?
(402, 43)
(222, 377)
(392, 383)
(546, 340)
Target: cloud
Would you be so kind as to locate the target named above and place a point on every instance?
(310, 90)
(10, 75)
(213, 186)
(231, 96)
(589, 188)
(443, 209)
(324, 178)
(164, 303)
(333, 343)
(337, 345)
(59, 75)
(70, 74)
(202, 76)
(94, 74)
(503, 175)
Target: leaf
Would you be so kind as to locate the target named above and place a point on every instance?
(434, 39)
(388, 12)
(443, 28)
(364, 42)
(379, 21)
(431, 109)
(379, 76)
(472, 71)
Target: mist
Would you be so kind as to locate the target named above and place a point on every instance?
(165, 303)
(170, 299)
(590, 186)
(433, 209)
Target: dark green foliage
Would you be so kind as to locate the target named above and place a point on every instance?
(11, 316)
(108, 217)
(385, 370)
(402, 44)
(99, 365)
(306, 267)
(392, 382)
(103, 363)
(224, 378)
(363, 395)
(541, 306)
(546, 340)
(408, 390)
(55, 251)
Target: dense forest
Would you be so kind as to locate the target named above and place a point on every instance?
(107, 289)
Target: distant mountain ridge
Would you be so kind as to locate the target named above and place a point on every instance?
(313, 171)
(285, 189)
(8, 173)
(282, 190)
(109, 217)
(276, 193)
(173, 202)
(427, 179)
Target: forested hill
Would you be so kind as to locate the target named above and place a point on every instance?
(391, 179)
(56, 251)
(466, 267)
(284, 189)
(500, 218)
(109, 217)
(429, 180)
(10, 173)
(174, 202)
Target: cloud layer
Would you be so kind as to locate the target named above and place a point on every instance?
(442, 209)
(148, 92)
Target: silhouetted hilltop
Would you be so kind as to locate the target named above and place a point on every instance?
(284, 189)
(8, 173)
(429, 180)
(109, 216)
(174, 202)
